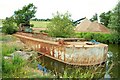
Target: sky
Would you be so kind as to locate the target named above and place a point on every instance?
(45, 8)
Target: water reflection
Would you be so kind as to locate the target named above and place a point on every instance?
(98, 71)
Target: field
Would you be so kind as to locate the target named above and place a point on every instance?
(37, 24)
(0, 22)
(40, 24)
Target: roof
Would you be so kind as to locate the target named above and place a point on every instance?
(88, 26)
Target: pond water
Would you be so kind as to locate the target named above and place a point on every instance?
(99, 71)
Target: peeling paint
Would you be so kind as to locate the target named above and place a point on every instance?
(77, 53)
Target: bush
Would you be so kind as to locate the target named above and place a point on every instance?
(113, 38)
(61, 26)
(88, 36)
(9, 26)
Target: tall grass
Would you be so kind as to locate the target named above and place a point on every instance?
(9, 48)
(9, 44)
(84, 72)
(16, 67)
(6, 38)
(10, 68)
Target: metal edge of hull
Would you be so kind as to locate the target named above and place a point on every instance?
(66, 62)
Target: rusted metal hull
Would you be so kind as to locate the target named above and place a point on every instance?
(73, 53)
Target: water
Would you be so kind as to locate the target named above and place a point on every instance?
(115, 50)
(62, 69)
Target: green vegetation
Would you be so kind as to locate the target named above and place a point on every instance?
(113, 38)
(61, 26)
(94, 18)
(105, 18)
(22, 17)
(9, 26)
(84, 72)
(5, 38)
(9, 44)
(16, 67)
(19, 68)
(114, 22)
(0, 59)
(11, 68)
(25, 14)
(40, 24)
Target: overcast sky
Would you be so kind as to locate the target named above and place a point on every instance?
(77, 8)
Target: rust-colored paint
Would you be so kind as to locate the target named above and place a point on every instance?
(73, 54)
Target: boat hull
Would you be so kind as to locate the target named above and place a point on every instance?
(73, 53)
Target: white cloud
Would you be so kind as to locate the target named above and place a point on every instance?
(45, 8)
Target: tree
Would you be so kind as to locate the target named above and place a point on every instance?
(61, 25)
(94, 18)
(114, 22)
(9, 26)
(25, 14)
(105, 17)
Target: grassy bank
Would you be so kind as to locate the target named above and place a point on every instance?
(10, 44)
(16, 67)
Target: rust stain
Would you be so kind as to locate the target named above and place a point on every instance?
(57, 50)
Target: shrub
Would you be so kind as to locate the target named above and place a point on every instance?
(113, 38)
(88, 36)
(9, 26)
(61, 26)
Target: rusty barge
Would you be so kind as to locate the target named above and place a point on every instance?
(67, 51)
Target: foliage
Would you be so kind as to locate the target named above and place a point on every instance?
(44, 31)
(94, 18)
(88, 36)
(25, 14)
(9, 26)
(115, 18)
(105, 17)
(113, 38)
(12, 67)
(16, 67)
(61, 26)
